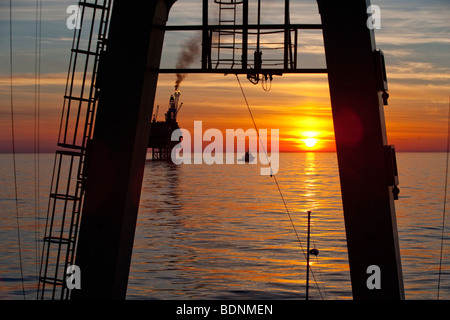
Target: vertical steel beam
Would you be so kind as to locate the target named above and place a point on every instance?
(245, 34)
(287, 30)
(206, 45)
(308, 243)
(361, 142)
(117, 156)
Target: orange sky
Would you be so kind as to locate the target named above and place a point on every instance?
(296, 105)
(300, 107)
(414, 39)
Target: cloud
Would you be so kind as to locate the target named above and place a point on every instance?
(418, 70)
(28, 79)
(410, 23)
(25, 10)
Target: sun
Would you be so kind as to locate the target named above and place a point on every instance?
(310, 142)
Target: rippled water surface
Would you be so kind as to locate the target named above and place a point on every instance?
(223, 232)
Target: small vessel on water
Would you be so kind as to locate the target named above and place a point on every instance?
(248, 157)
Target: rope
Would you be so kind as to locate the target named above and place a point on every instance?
(276, 181)
(37, 101)
(13, 144)
(445, 201)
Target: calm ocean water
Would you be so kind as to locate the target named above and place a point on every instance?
(222, 231)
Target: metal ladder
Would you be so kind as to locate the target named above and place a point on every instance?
(226, 39)
(76, 128)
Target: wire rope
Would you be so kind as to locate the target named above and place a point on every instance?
(37, 88)
(13, 144)
(445, 202)
(276, 183)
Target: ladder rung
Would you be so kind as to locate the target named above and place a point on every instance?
(216, 45)
(224, 2)
(69, 153)
(69, 146)
(61, 196)
(78, 99)
(92, 5)
(54, 281)
(58, 240)
(92, 53)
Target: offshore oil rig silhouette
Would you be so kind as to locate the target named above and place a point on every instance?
(161, 131)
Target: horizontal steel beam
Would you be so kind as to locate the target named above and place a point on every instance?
(242, 27)
(245, 71)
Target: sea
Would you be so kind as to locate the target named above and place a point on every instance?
(224, 231)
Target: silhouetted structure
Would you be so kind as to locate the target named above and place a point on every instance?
(161, 131)
(111, 159)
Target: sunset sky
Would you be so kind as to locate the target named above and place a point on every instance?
(414, 35)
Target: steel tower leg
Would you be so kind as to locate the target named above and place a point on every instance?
(364, 167)
(117, 156)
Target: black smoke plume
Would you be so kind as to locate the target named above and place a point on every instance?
(190, 51)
